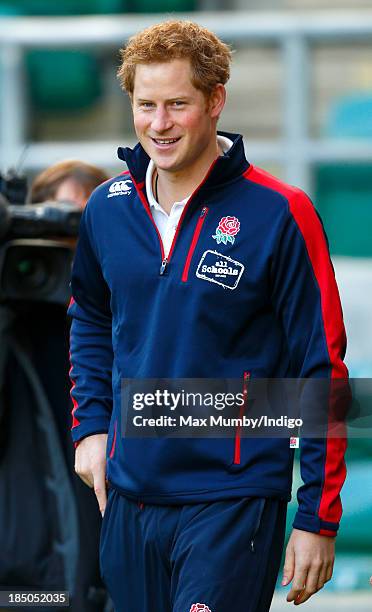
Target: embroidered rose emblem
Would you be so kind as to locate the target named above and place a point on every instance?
(227, 229)
(198, 607)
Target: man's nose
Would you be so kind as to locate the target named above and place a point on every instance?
(161, 120)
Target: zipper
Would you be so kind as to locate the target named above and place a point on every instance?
(165, 260)
(246, 378)
(163, 266)
(194, 242)
(112, 451)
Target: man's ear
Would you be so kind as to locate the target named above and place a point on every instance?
(216, 101)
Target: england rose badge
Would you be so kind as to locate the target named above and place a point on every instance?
(227, 229)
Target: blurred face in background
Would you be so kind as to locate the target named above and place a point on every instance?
(66, 181)
(71, 191)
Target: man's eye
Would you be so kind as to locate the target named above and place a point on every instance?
(178, 103)
(147, 104)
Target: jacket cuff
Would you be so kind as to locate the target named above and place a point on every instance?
(309, 522)
(89, 429)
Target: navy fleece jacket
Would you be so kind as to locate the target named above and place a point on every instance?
(276, 313)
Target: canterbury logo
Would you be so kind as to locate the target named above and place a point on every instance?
(200, 607)
(120, 188)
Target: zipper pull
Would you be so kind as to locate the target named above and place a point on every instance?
(163, 266)
(246, 379)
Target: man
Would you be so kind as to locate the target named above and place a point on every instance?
(198, 525)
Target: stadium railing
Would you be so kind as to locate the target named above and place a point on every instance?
(293, 33)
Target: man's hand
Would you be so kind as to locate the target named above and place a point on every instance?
(309, 563)
(90, 465)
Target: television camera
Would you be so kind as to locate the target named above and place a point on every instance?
(36, 245)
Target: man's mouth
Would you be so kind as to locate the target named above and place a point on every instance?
(165, 141)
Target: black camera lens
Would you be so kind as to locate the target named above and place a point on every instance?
(31, 273)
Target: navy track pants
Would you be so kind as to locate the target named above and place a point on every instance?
(208, 557)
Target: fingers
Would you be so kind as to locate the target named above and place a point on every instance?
(309, 562)
(90, 465)
(298, 584)
(316, 577)
(311, 585)
(100, 489)
(326, 574)
(289, 565)
(93, 474)
(83, 472)
(322, 578)
(329, 571)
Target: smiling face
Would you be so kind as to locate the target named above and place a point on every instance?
(175, 122)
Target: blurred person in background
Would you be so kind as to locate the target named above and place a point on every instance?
(198, 524)
(67, 181)
(71, 181)
(32, 487)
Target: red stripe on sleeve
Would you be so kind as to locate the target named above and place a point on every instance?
(75, 420)
(113, 442)
(303, 212)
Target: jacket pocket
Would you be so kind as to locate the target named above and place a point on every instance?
(257, 523)
(194, 242)
(243, 408)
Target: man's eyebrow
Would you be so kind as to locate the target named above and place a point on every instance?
(179, 98)
(173, 99)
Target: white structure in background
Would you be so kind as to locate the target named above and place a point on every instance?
(294, 33)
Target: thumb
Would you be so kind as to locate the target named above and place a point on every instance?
(289, 566)
(100, 489)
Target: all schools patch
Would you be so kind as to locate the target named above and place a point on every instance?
(220, 269)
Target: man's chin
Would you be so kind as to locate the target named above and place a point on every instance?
(166, 160)
(165, 165)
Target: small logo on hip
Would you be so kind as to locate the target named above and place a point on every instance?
(294, 442)
(200, 607)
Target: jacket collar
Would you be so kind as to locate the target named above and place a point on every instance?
(226, 168)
